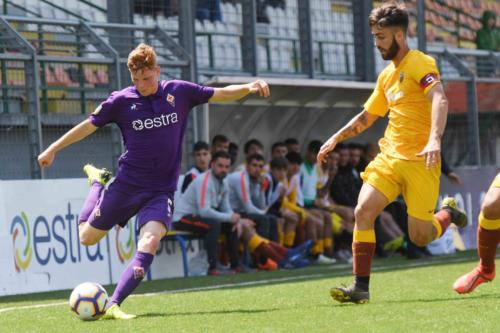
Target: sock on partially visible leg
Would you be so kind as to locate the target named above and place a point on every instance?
(259, 245)
(488, 237)
(363, 249)
(289, 239)
(91, 201)
(278, 248)
(132, 276)
(328, 246)
(441, 222)
(281, 234)
(318, 248)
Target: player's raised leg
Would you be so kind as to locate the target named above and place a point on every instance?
(423, 231)
(488, 237)
(149, 239)
(97, 178)
(370, 203)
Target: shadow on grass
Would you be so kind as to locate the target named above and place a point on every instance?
(197, 313)
(421, 300)
(251, 280)
(444, 299)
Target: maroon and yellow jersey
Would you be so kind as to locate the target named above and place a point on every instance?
(401, 91)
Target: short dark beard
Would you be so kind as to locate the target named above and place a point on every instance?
(220, 177)
(393, 50)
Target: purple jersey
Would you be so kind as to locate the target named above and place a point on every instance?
(152, 128)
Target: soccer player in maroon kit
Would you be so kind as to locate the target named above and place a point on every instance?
(488, 237)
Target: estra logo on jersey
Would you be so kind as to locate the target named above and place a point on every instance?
(156, 122)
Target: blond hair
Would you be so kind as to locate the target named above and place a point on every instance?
(142, 57)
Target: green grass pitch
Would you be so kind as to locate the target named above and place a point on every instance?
(406, 296)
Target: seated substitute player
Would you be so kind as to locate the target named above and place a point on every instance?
(410, 89)
(205, 204)
(204, 209)
(310, 226)
(152, 116)
(220, 142)
(292, 144)
(201, 158)
(309, 180)
(247, 197)
(278, 149)
(274, 191)
(251, 147)
(488, 237)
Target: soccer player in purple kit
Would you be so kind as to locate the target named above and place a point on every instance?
(152, 117)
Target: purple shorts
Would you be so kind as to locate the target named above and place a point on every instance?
(120, 202)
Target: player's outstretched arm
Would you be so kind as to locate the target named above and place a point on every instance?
(77, 133)
(235, 92)
(358, 124)
(439, 113)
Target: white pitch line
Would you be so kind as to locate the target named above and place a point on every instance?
(33, 306)
(258, 282)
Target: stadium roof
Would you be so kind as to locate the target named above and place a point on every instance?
(303, 92)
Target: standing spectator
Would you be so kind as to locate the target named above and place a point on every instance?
(487, 38)
(208, 10)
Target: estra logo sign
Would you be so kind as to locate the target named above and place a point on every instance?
(156, 122)
(50, 239)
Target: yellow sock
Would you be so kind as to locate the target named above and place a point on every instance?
(365, 236)
(289, 239)
(437, 225)
(302, 217)
(328, 243)
(254, 242)
(336, 223)
(318, 247)
(488, 224)
(281, 237)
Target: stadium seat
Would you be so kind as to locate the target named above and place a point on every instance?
(202, 51)
(63, 78)
(138, 19)
(90, 76)
(149, 21)
(102, 76)
(173, 23)
(50, 76)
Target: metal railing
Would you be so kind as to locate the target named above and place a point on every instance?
(53, 73)
(459, 69)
